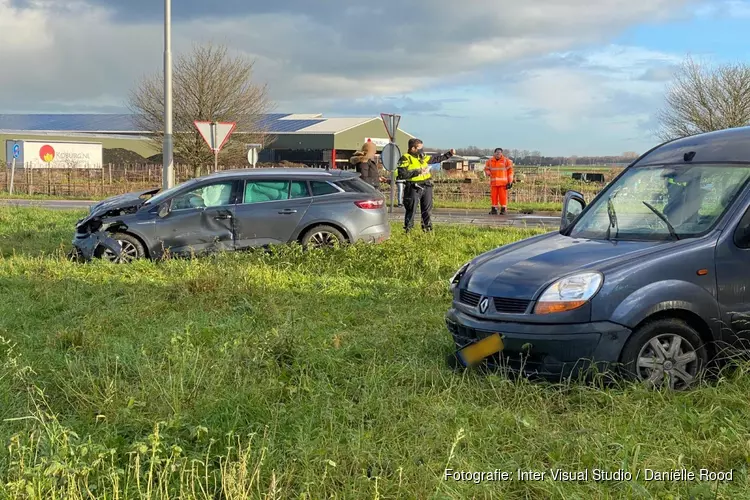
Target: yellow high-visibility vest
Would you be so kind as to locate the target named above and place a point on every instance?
(414, 163)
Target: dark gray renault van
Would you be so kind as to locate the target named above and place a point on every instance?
(652, 276)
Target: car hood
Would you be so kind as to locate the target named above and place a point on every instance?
(520, 270)
(120, 202)
(116, 205)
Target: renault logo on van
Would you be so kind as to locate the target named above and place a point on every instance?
(483, 305)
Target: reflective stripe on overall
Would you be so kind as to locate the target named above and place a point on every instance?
(498, 171)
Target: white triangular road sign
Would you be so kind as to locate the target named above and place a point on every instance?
(391, 124)
(215, 134)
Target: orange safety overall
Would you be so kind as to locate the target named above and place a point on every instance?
(500, 173)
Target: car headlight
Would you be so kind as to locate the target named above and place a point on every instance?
(459, 274)
(568, 293)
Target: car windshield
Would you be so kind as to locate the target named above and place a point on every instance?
(159, 197)
(663, 202)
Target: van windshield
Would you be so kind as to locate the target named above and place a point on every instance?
(663, 202)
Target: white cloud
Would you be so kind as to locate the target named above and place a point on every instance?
(318, 57)
(80, 52)
(615, 81)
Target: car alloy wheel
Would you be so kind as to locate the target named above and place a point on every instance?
(129, 253)
(324, 239)
(668, 356)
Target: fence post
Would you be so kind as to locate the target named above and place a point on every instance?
(31, 181)
(110, 175)
(125, 176)
(101, 193)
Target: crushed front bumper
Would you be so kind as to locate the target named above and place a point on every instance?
(85, 244)
(546, 351)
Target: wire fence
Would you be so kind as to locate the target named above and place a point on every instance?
(532, 184)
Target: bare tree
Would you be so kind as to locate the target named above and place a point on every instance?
(208, 85)
(703, 99)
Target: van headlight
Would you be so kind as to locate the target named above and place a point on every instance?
(459, 274)
(568, 293)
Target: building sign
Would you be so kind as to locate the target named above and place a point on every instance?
(42, 154)
(379, 142)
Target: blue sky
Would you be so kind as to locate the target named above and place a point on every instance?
(713, 35)
(565, 77)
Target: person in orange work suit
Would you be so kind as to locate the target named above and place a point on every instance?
(500, 171)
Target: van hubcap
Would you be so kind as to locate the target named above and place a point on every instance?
(670, 358)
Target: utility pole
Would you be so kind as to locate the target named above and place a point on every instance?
(167, 153)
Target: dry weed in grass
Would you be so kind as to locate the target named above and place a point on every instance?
(305, 375)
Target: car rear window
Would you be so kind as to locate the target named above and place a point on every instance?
(322, 188)
(356, 186)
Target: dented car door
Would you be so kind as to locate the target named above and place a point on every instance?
(198, 221)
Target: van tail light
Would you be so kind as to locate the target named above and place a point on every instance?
(369, 204)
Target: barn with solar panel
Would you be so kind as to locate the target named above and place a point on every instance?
(311, 139)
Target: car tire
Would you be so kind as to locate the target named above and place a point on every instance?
(132, 249)
(668, 349)
(323, 237)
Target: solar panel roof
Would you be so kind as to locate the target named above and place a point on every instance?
(69, 122)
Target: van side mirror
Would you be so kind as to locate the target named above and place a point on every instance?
(742, 237)
(742, 233)
(573, 205)
(163, 210)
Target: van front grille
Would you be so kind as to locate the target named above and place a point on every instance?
(510, 306)
(469, 298)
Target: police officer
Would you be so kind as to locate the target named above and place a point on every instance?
(414, 170)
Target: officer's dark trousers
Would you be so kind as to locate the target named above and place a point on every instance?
(413, 195)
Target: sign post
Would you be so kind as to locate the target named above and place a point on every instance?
(216, 135)
(168, 143)
(390, 151)
(252, 153)
(16, 153)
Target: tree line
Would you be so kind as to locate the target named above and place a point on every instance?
(526, 157)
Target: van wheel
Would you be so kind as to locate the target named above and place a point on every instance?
(666, 352)
(323, 237)
(132, 249)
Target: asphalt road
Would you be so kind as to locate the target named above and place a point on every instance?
(440, 216)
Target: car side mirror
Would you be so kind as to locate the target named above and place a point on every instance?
(573, 205)
(163, 210)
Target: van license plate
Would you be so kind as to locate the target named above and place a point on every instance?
(473, 353)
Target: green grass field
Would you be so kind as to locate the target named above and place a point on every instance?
(306, 375)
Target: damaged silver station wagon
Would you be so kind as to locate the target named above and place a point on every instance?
(234, 210)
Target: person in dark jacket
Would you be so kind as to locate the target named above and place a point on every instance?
(366, 164)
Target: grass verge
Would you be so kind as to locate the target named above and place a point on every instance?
(306, 375)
